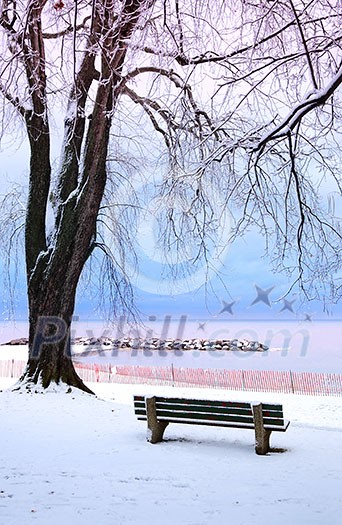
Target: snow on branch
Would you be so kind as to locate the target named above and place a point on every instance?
(313, 100)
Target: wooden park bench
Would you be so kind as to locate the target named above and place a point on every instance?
(264, 418)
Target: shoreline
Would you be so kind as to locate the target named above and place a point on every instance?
(158, 344)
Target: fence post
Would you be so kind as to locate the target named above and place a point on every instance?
(243, 381)
(291, 380)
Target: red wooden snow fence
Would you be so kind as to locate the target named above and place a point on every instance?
(290, 382)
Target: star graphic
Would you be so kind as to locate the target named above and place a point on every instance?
(262, 295)
(227, 307)
(308, 318)
(201, 326)
(287, 305)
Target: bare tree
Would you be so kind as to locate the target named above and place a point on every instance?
(243, 97)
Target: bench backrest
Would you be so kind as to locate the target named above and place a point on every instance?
(205, 412)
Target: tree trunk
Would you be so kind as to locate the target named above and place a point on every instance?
(50, 312)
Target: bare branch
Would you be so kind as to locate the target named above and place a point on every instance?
(307, 53)
(68, 30)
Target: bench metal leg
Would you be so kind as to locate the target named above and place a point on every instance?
(155, 428)
(262, 436)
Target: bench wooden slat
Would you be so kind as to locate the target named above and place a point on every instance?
(206, 402)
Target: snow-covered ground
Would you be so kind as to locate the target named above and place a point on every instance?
(78, 459)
